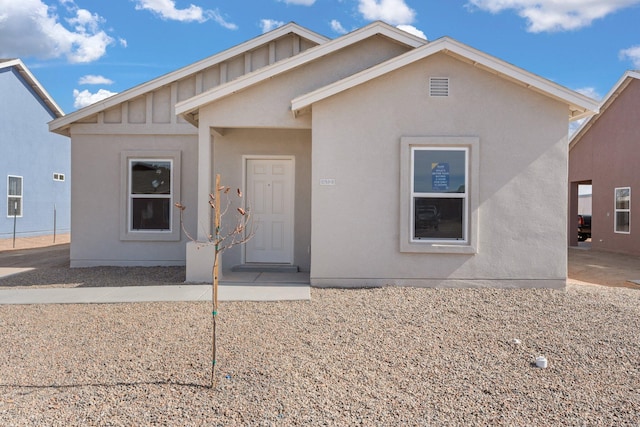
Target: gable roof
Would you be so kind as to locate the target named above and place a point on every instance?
(617, 89)
(188, 108)
(579, 105)
(33, 83)
(58, 125)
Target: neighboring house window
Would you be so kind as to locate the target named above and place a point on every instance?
(622, 210)
(58, 177)
(14, 196)
(439, 194)
(151, 185)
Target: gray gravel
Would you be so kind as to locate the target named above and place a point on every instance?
(373, 357)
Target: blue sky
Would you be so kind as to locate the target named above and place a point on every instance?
(83, 50)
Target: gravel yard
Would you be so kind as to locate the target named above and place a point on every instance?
(387, 356)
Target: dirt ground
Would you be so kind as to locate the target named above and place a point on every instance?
(35, 252)
(33, 242)
(585, 265)
(604, 268)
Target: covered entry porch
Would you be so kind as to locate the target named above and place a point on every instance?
(272, 168)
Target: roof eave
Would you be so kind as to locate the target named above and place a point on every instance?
(615, 91)
(35, 85)
(192, 104)
(578, 103)
(183, 72)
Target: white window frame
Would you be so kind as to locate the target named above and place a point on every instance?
(468, 245)
(464, 196)
(126, 218)
(58, 176)
(20, 196)
(617, 210)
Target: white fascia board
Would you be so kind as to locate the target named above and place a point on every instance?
(575, 100)
(617, 89)
(377, 28)
(185, 72)
(34, 84)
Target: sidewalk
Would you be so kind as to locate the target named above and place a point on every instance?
(34, 253)
(226, 292)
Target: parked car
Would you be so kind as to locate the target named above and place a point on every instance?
(427, 217)
(584, 227)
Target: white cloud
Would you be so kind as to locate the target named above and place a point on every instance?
(84, 98)
(299, 2)
(632, 54)
(166, 9)
(575, 125)
(47, 36)
(413, 30)
(270, 24)
(219, 19)
(555, 15)
(395, 12)
(91, 79)
(122, 42)
(591, 92)
(337, 27)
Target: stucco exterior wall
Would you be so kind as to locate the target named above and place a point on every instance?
(522, 180)
(97, 200)
(608, 156)
(258, 121)
(31, 152)
(148, 122)
(229, 156)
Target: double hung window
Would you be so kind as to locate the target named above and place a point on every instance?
(150, 194)
(439, 193)
(150, 187)
(622, 210)
(14, 196)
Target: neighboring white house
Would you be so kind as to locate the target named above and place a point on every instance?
(584, 204)
(377, 158)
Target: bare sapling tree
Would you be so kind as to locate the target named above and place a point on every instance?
(225, 236)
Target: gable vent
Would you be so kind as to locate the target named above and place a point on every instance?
(439, 86)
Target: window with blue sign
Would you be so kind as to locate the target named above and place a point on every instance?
(439, 193)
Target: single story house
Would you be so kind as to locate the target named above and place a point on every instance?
(376, 158)
(35, 164)
(605, 152)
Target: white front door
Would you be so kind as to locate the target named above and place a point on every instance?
(270, 196)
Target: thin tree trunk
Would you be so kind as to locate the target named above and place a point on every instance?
(214, 293)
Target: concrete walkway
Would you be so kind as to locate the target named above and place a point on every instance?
(226, 292)
(32, 253)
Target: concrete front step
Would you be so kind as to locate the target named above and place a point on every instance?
(266, 268)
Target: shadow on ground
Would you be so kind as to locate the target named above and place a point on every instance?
(50, 267)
